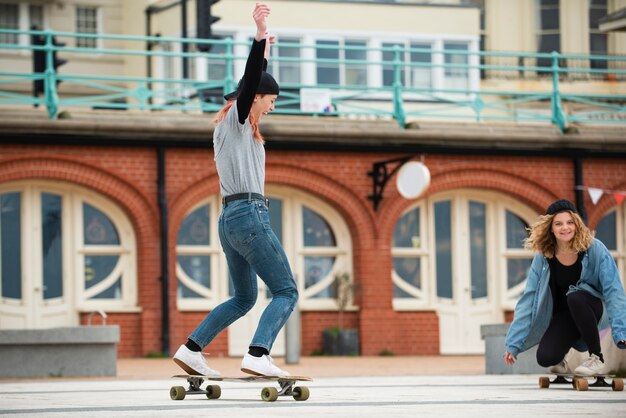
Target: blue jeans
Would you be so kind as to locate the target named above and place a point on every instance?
(251, 248)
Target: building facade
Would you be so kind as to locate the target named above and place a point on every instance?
(117, 211)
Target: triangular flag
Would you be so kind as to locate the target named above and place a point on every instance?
(595, 194)
(619, 197)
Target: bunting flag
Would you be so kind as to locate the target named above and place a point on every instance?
(596, 193)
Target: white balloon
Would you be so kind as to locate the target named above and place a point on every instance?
(413, 179)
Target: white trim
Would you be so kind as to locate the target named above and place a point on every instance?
(308, 66)
(365, 34)
(292, 202)
(63, 311)
(218, 290)
(497, 205)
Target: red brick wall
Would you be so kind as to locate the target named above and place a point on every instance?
(128, 178)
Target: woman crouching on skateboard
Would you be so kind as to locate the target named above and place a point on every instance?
(572, 280)
(248, 241)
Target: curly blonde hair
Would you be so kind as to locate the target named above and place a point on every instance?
(543, 240)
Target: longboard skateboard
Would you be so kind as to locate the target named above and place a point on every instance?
(269, 394)
(581, 383)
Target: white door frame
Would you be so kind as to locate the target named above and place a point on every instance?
(460, 317)
(32, 311)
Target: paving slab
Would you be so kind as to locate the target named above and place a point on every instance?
(363, 397)
(363, 387)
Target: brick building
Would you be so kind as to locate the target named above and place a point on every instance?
(116, 212)
(429, 270)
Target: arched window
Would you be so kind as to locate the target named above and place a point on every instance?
(63, 249)
(461, 254)
(611, 230)
(315, 238)
(199, 257)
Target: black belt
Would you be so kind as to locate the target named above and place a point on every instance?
(245, 196)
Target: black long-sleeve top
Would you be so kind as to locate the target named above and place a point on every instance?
(255, 65)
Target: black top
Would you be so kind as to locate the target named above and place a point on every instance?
(561, 278)
(251, 79)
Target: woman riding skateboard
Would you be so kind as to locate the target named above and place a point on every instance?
(248, 241)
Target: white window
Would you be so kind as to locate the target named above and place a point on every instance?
(409, 256)
(199, 258)
(315, 238)
(332, 68)
(9, 19)
(611, 230)
(425, 243)
(598, 40)
(419, 68)
(20, 16)
(286, 72)
(458, 253)
(548, 29)
(87, 23)
(515, 259)
(457, 75)
(63, 246)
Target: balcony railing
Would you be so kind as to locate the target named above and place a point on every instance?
(457, 84)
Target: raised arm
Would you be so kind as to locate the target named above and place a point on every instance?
(254, 64)
(269, 40)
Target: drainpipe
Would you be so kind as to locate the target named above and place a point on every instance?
(149, 45)
(165, 273)
(578, 181)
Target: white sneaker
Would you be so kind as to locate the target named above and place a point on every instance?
(261, 366)
(561, 368)
(592, 366)
(193, 362)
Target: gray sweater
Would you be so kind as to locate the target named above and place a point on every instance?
(239, 158)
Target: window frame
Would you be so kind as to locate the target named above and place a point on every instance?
(496, 206)
(218, 292)
(425, 256)
(24, 21)
(619, 254)
(98, 43)
(292, 202)
(73, 248)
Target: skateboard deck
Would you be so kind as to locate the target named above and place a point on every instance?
(581, 383)
(269, 393)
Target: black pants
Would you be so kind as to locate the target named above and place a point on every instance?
(567, 327)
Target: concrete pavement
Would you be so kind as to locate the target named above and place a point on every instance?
(361, 387)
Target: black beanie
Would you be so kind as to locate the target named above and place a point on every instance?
(560, 206)
(267, 85)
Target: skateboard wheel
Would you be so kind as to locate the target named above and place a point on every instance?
(617, 385)
(581, 384)
(269, 394)
(177, 393)
(544, 382)
(301, 393)
(213, 391)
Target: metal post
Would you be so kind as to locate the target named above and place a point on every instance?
(292, 337)
(398, 110)
(185, 45)
(165, 272)
(558, 117)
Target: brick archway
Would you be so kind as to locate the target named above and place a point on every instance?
(528, 192)
(142, 216)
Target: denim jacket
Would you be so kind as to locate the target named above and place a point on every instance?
(533, 311)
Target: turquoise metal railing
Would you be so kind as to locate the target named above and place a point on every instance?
(449, 84)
